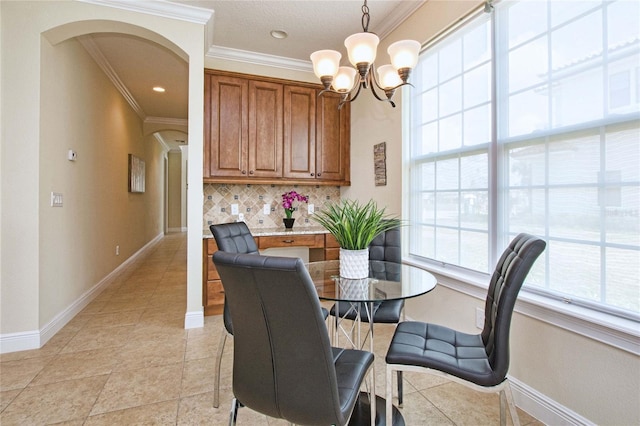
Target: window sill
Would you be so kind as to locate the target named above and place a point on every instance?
(614, 331)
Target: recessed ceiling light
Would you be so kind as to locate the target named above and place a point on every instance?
(279, 34)
(158, 89)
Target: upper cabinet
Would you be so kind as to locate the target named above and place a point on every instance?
(264, 130)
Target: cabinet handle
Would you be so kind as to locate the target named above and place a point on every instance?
(250, 172)
(311, 174)
(244, 172)
(287, 241)
(319, 174)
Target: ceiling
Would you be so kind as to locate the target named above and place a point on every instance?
(241, 28)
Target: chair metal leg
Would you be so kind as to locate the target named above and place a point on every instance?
(233, 416)
(399, 388)
(512, 405)
(216, 389)
(389, 396)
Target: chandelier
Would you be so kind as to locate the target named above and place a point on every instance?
(361, 48)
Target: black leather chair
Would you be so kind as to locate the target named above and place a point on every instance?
(232, 238)
(480, 361)
(284, 366)
(385, 247)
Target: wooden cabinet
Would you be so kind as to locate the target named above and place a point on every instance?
(267, 131)
(212, 291)
(299, 133)
(333, 136)
(226, 126)
(243, 137)
(331, 248)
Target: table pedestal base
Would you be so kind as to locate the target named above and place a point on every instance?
(362, 412)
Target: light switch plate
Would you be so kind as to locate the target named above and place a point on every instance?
(266, 209)
(56, 199)
(311, 209)
(234, 209)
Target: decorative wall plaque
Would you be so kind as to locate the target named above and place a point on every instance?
(380, 163)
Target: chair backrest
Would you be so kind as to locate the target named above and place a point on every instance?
(506, 281)
(283, 362)
(386, 246)
(233, 238)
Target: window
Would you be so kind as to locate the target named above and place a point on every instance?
(515, 127)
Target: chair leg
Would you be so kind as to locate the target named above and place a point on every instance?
(233, 416)
(399, 388)
(389, 396)
(216, 389)
(508, 395)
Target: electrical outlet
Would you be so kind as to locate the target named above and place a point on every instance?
(234, 209)
(240, 217)
(266, 209)
(117, 250)
(311, 209)
(480, 318)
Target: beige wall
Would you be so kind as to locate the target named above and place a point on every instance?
(174, 221)
(32, 138)
(82, 110)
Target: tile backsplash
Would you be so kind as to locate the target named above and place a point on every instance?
(219, 198)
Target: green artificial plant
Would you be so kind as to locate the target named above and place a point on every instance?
(355, 225)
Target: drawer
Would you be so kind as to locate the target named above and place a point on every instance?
(311, 241)
(330, 241)
(212, 272)
(332, 253)
(212, 247)
(215, 293)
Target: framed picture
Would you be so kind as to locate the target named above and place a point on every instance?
(136, 174)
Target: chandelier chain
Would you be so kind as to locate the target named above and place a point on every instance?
(365, 17)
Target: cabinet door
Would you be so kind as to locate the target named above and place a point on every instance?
(332, 138)
(265, 129)
(227, 132)
(299, 132)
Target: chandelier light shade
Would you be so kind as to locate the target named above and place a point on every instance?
(362, 49)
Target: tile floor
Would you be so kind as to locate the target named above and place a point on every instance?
(126, 359)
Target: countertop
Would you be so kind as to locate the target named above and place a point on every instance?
(264, 232)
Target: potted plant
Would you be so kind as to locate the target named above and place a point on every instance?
(354, 226)
(288, 198)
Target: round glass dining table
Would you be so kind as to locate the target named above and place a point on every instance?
(386, 281)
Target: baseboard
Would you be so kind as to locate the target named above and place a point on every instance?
(183, 229)
(28, 340)
(544, 408)
(194, 319)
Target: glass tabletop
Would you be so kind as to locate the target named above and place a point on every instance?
(387, 281)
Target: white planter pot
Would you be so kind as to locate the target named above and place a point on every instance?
(354, 264)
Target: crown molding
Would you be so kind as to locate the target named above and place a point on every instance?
(167, 121)
(94, 51)
(165, 9)
(229, 54)
(400, 14)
